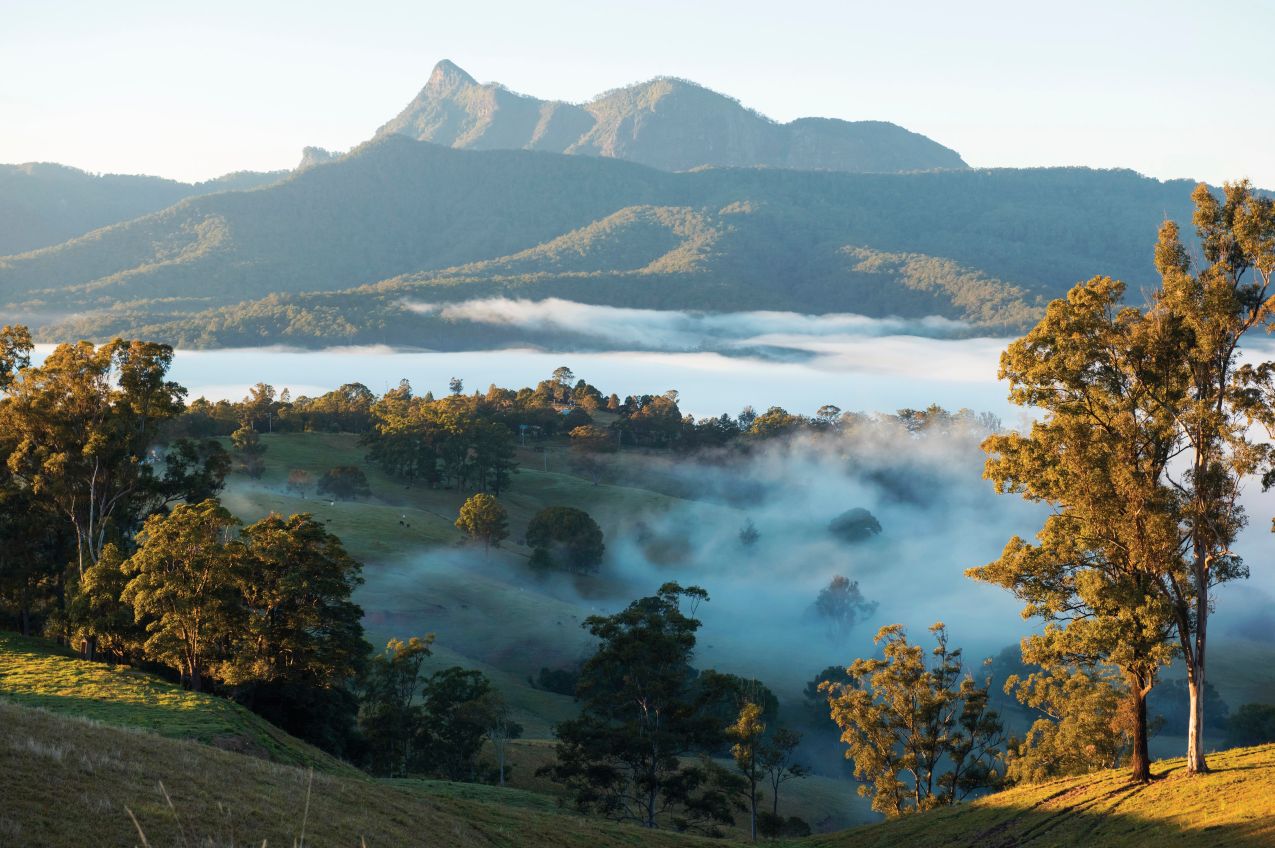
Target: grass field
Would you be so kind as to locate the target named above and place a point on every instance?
(68, 782)
(84, 742)
(37, 673)
(1233, 807)
(60, 776)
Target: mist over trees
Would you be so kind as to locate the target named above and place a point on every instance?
(565, 537)
(840, 605)
(112, 538)
(645, 711)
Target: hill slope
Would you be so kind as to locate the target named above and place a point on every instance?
(99, 773)
(1233, 807)
(37, 673)
(462, 223)
(667, 123)
(43, 204)
(63, 779)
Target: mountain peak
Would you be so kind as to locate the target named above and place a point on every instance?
(667, 122)
(448, 75)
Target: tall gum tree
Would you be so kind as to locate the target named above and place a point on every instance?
(83, 423)
(1174, 462)
(1214, 303)
(1097, 458)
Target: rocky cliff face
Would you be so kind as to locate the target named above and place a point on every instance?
(670, 124)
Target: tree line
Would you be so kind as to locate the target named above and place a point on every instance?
(112, 539)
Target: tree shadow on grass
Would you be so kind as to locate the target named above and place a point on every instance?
(1221, 809)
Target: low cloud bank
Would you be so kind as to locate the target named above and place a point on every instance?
(677, 330)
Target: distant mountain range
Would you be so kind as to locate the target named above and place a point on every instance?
(43, 204)
(344, 248)
(666, 123)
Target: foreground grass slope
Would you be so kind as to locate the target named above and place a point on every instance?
(38, 673)
(62, 779)
(1233, 807)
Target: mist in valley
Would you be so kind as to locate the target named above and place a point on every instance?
(937, 515)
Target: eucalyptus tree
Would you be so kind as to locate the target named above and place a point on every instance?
(919, 732)
(1108, 380)
(749, 732)
(83, 425)
(183, 585)
(1145, 448)
(15, 352)
(1214, 304)
(625, 755)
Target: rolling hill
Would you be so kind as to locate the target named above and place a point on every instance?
(666, 123)
(39, 674)
(328, 254)
(1232, 807)
(42, 204)
(182, 792)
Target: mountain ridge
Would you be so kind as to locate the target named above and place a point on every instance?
(327, 254)
(44, 203)
(666, 122)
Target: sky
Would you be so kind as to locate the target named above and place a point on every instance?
(194, 90)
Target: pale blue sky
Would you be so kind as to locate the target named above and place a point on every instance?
(193, 90)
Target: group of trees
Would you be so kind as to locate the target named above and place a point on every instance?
(270, 603)
(347, 409)
(430, 724)
(1144, 446)
(112, 539)
(451, 441)
(640, 748)
(920, 733)
(560, 537)
(84, 464)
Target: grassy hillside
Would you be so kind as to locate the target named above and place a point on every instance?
(99, 773)
(1234, 807)
(63, 778)
(37, 673)
(442, 223)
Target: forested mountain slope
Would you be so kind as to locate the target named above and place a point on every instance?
(398, 218)
(43, 204)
